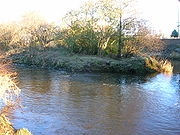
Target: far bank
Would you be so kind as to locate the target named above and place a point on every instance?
(61, 58)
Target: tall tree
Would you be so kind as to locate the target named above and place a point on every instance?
(101, 20)
(174, 33)
(37, 29)
(127, 22)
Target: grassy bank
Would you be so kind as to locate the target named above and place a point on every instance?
(61, 58)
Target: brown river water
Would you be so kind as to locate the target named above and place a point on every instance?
(60, 103)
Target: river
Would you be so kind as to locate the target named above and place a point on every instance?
(60, 103)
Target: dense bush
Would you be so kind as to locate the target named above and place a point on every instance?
(99, 28)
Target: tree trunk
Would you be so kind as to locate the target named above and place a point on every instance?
(120, 41)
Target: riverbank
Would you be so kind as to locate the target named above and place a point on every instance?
(61, 58)
(6, 128)
(172, 49)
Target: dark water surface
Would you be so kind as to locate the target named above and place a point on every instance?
(60, 103)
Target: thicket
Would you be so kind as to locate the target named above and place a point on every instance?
(103, 27)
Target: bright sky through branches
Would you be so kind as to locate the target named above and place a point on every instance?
(163, 14)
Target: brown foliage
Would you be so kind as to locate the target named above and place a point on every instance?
(144, 45)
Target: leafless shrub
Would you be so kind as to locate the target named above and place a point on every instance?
(8, 88)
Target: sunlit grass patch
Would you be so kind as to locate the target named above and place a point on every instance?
(159, 65)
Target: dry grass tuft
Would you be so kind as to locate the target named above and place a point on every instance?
(22, 131)
(9, 94)
(6, 128)
(8, 88)
(159, 65)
